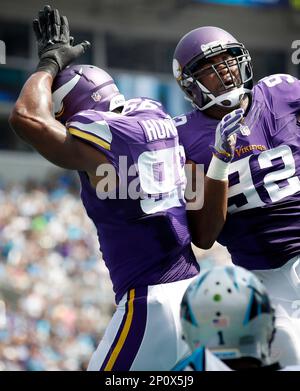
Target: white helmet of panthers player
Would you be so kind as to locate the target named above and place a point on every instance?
(228, 310)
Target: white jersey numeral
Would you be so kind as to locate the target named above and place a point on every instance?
(141, 105)
(244, 191)
(243, 195)
(274, 80)
(277, 193)
(162, 179)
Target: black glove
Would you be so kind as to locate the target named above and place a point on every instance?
(55, 46)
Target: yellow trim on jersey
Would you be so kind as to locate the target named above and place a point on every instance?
(123, 335)
(89, 137)
(60, 113)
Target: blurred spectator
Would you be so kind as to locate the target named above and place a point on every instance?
(57, 293)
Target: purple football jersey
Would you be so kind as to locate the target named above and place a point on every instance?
(141, 226)
(262, 230)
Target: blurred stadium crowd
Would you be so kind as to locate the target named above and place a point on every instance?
(55, 294)
(58, 298)
(56, 289)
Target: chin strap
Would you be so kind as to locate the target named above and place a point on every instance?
(233, 97)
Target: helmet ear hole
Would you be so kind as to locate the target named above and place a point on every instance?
(189, 92)
(187, 82)
(187, 87)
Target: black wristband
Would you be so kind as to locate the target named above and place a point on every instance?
(48, 65)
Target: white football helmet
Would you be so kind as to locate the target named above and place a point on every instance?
(228, 310)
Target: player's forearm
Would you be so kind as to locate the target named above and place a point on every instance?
(32, 110)
(206, 223)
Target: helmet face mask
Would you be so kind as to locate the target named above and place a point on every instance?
(194, 65)
(228, 66)
(227, 309)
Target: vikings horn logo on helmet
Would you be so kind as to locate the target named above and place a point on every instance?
(84, 87)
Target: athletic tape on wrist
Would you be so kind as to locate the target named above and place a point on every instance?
(218, 170)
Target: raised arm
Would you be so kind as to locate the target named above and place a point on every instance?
(32, 118)
(207, 218)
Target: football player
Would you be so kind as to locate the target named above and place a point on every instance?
(262, 229)
(228, 310)
(131, 168)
